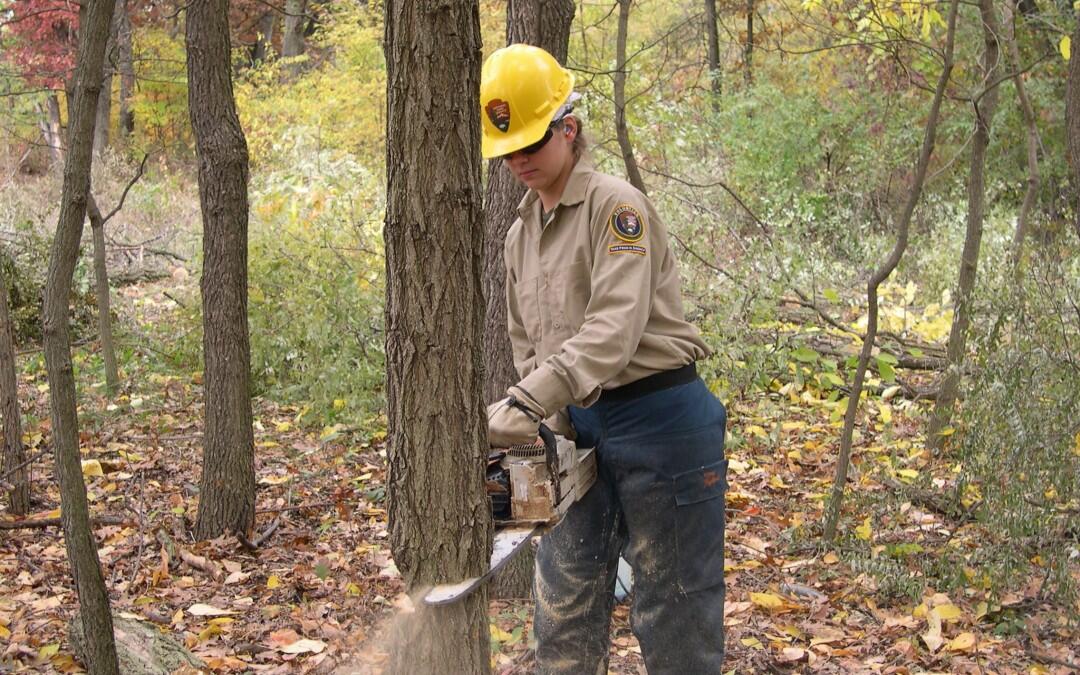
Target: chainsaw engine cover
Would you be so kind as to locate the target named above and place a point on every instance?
(534, 494)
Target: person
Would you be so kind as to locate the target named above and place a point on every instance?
(596, 322)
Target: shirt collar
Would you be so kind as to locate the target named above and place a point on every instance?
(573, 193)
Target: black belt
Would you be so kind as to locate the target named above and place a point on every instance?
(663, 380)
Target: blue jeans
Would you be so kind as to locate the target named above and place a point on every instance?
(659, 500)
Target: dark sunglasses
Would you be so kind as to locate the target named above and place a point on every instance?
(536, 147)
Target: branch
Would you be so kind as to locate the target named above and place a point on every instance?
(123, 196)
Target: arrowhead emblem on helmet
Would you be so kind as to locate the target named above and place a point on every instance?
(498, 111)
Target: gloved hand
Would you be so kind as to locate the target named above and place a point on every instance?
(514, 420)
(560, 423)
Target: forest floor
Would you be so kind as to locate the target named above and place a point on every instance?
(318, 594)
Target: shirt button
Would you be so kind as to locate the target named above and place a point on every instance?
(557, 325)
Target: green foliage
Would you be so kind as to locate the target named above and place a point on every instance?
(160, 102)
(1019, 441)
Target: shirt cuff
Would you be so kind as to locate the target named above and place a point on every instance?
(551, 392)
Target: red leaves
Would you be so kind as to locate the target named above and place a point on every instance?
(44, 33)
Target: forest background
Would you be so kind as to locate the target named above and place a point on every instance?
(781, 158)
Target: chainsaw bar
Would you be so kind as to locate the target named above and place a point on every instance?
(507, 542)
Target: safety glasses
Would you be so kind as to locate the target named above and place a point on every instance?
(536, 147)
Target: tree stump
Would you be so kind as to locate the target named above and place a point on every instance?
(141, 648)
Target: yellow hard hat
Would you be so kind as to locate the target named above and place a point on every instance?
(521, 89)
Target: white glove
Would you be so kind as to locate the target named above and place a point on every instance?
(562, 426)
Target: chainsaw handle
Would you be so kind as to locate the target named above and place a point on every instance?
(551, 458)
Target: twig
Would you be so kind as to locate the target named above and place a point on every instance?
(253, 545)
(1047, 658)
(298, 507)
(33, 457)
(123, 195)
(96, 521)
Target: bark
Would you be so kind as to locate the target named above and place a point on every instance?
(713, 55)
(1072, 126)
(143, 649)
(101, 279)
(104, 108)
(264, 41)
(127, 69)
(544, 23)
(18, 497)
(843, 461)
(985, 107)
(748, 48)
(227, 490)
(292, 39)
(50, 129)
(440, 520)
(633, 174)
(1030, 123)
(95, 20)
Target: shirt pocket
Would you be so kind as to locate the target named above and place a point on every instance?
(528, 301)
(572, 289)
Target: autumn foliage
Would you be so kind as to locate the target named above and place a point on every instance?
(43, 40)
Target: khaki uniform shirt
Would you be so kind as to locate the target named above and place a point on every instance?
(593, 297)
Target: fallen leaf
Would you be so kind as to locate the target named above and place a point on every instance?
(207, 610)
(791, 655)
(767, 600)
(305, 646)
(91, 467)
(964, 642)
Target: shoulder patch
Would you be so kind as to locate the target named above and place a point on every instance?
(627, 223)
(626, 248)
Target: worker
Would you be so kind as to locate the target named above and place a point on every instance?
(595, 318)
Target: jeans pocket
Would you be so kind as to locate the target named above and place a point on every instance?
(699, 539)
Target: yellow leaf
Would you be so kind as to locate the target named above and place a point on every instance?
(498, 634)
(1066, 47)
(755, 430)
(221, 621)
(830, 558)
(886, 413)
(48, 650)
(777, 482)
(964, 642)
(910, 474)
(92, 467)
(948, 612)
(947, 431)
(282, 427)
(864, 531)
(920, 611)
(4, 632)
(273, 582)
(767, 600)
(752, 643)
(339, 403)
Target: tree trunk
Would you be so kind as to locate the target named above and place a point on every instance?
(748, 48)
(264, 41)
(832, 514)
(292, 39)
(969, 258)
(18, 498)
(101, 278)
(714, 52)
(632, 173)
(104, 107)
(1072, 125)
(1032, 192)
(51, 129)
(127, 69)
(545, 24)
(440, 520)
(227, 490)
(95, 19)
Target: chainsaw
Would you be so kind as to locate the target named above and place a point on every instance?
(530, 488)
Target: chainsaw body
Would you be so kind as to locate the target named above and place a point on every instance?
(538, 483)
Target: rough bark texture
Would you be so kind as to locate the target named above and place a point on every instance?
(1072, 124)
(227, 491)
(544, 23)
(748, 48)
(292, 39)
(142, 648)
(440, 521)
(633, 174)
(1030, 123)
(95, 18)
(104, 108)
(51, 129)
(713, 35)
(18, 498)
(903, 227)
(969, 258)
(101, 286)
(264, 41)
(127, 68)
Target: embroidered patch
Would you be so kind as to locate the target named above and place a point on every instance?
(626, 248)
(627, 224)
(498, 111)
